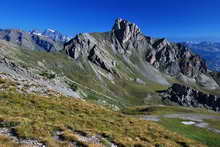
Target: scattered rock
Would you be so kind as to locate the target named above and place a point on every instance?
(8, 132)
(29, 82)
(83, 137)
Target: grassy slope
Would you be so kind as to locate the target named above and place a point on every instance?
(38, 117)
(202, 135)
(130, 93)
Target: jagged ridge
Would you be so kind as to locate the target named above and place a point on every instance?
(127, 40)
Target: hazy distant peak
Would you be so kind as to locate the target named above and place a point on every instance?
(52, 34)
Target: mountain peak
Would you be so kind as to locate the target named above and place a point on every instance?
(125, 30)
(121, 24)
(51, 30)
(52, 34)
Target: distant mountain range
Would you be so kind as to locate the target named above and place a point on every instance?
(52, 34)
(210, 51)
(48, 40)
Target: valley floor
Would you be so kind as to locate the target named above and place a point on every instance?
(198, 124)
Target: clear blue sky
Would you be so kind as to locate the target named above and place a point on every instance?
(175, 19)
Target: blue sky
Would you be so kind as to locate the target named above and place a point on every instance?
(177, 20)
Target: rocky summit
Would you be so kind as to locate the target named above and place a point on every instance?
(141, 52)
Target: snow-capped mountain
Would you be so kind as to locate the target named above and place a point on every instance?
(55, 35)
(52, 34)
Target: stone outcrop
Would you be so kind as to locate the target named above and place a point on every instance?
(168, 57)
(189, 97)
(85, 46)
(174, 58)
(125, 30)
(216, 76)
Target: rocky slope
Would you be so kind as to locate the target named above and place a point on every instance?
(216, 76)
(189, 97)
(147, 55)
(31, 79)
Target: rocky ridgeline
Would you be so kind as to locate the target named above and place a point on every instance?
(175, 58)
(189, 97)
(168, 57)
(85, 46)
(126, 40)
(126, 53)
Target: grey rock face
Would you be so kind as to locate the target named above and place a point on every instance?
(206, 81)
(175, 58)
(32, 41)
(85, 46)
(126, 40)
(98, 57)
(216, 76)
(189, 97)
(125, 30)
(79, 46)
(168, 57)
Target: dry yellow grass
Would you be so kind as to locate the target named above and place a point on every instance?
(39, 116)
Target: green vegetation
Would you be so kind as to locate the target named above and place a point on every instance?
(73, 86)
(38, 117)
(213, 123)
(130, 93)
(48, 74)
(200, 134)
(160, 110)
